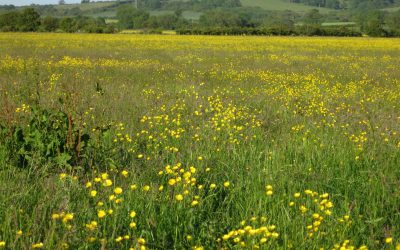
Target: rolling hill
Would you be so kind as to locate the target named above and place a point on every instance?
(108, 9)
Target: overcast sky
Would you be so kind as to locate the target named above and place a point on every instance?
(28, 2)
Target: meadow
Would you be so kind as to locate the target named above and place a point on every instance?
(199, 142)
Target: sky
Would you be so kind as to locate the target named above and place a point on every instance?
(29, 2)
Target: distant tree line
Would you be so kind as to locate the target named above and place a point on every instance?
(379, 24)
(372, 23)
(349, 4)
(131, 18)
(29, 20)
(233, 21)
(273, 31)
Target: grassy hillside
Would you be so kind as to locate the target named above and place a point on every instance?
(105, 9)
(86, 6)
(281, 5)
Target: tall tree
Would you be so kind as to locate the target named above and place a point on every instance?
(393, 22)
(130, 17)
(313, 17)
(9, 21)
(29, 20)
(50, 23)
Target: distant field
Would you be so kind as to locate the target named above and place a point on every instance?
(281, 5)
(392, 9)
(338, 24)
(105, 14)
(85, 6)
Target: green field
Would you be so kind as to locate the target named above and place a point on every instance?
(339, 24)
(130, 141)
(281, 5)
(86, 6)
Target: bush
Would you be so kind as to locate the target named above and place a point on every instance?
(47, 138)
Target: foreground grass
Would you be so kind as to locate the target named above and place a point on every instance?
(213, 142)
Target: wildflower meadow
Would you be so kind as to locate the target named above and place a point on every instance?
(199, 142)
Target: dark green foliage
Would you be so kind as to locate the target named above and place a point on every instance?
(202, 5)
(216, 14)
(9, 21)
(49, 23)
(129, 17)
(350, 4)
(153, 4)
(48, 138)
(7, 7)
(221, 18)
(371, 22)
(167, 22)
(393, 23)
(67, 24)
(272, 31)
(29, 20)
(313, 17)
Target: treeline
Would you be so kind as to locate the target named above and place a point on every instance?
(219, 21)
(194, 5)
(379, 24)
(349, 4)
(372, 23)
(28, 20)
(273, 31)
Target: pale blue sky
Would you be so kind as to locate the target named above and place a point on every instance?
(28, 2)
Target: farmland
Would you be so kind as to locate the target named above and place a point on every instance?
(199, 142)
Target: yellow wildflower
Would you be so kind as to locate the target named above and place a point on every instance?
(179, 197)
(101, 213)
(118, 190)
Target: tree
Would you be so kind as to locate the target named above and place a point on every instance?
(393, 22)
(85, 1)
(61, 2)
(371, 22)
(67, 24)
(153, 4)
(140, 18)
(29, 20)
(130, 17)
(125, 16)
(221, 18)
(9, 21)
(50, 23)
(313, 17)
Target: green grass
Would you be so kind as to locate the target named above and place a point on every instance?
(271, 116)
(339, 24)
